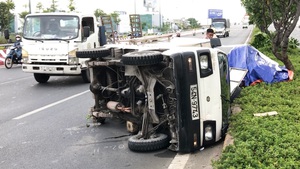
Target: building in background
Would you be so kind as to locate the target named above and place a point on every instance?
(150, 14)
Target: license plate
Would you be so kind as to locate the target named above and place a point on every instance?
(194, 102)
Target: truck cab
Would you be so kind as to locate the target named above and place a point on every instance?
(50, 42)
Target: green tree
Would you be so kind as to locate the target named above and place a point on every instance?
(116, 18)
(283, 14)
(39, 7)
(71, 5)
(193, 22)
(5, 15)
(98, 13)
(53, 6)
(23, 14)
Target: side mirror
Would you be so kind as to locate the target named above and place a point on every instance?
(86, 31)
(6, 34)
(215, 42)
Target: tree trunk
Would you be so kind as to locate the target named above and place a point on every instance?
(280, 45)
(288, 64)
(283, 57)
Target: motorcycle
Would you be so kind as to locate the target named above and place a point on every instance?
(12, 58)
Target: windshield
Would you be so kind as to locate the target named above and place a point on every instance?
(218, 24)
(51, 27)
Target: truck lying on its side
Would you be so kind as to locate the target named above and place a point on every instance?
(221, 27)
(174, 95)
(50, 42)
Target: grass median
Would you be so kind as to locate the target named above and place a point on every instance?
(268, 141)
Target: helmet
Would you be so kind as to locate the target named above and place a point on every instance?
(18, 37)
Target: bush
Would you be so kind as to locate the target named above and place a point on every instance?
(261, 40)
(271, 141)
(293, 43)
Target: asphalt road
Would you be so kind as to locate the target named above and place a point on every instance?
(44, 126)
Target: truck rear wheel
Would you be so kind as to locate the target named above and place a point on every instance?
(155, 142)
(93, 53)
(41, 78)
(142, 58)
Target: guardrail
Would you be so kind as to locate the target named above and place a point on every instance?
(6, 45)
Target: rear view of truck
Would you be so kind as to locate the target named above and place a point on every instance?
(50, 42)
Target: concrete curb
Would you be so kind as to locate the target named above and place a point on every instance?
(229, 140)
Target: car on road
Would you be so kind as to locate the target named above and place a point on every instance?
(245, 25)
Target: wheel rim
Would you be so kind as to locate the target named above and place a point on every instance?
(8, 63)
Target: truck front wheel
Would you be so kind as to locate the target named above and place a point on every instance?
(41, 78)
(85, 74)
(155, 142)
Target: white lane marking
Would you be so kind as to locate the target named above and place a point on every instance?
(49, 105)
(12, 81)
(247, 41)
(179, 161)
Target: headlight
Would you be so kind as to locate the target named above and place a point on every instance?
(25, 60)
(73, 60)
(204, 62)
(208, 133)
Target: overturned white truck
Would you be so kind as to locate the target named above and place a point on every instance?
(174, 95)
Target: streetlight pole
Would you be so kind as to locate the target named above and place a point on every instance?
(29, 6)
(134, 6)
(160, 17)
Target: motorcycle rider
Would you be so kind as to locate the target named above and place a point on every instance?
(17, 48)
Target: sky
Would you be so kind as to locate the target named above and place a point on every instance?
(170, 9)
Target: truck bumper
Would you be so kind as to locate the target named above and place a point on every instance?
(52, 69)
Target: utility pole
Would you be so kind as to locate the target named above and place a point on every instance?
(160, 17)
(29, 6)
(134, 6)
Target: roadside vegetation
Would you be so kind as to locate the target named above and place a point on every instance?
(270, 141)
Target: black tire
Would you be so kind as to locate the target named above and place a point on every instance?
(144, 145)
(8, 62)
(93, 53)
(142, 58)
(41, 78)
(85, 74)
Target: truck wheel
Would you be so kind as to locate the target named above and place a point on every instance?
(41, 78)
(155, 142)
(85, 74)
(93, 53)
(142, 58)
